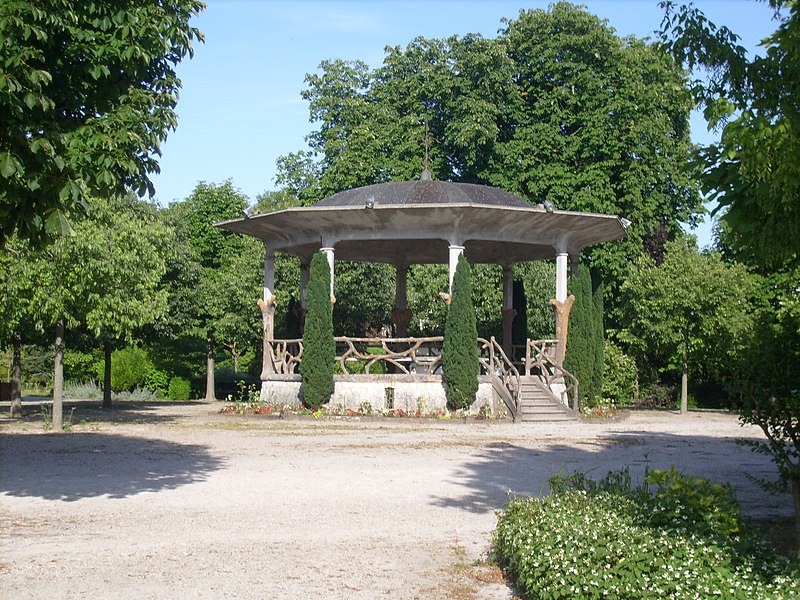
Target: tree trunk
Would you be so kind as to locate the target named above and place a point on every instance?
(796, 497)
(235, 355)
(685, 385)
(210, 394)
(58, 378)
(107, 375)
(16, 378)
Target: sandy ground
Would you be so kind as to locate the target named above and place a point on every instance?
(175, 501)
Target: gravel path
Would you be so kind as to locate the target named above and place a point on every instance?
(175, 501)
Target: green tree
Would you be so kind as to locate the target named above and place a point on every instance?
(87, 95)
(557, 108)
(215, 251)
(319, 348)
(691, 313)
(17, 309)
(753, 171)
(120, 250)
(460, 351)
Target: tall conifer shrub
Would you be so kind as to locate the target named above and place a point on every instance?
(585, 339)
(319, 348)
(460, 351)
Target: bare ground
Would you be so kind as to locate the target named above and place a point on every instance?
(154, 500)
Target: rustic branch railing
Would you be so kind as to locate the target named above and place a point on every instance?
(540, 362)
(401, 355)
(423, 356)
(505, 376)
(286, 355)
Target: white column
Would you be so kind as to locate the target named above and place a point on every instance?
(269, 274)
(562, 260)
(455, 252)
(328, 250)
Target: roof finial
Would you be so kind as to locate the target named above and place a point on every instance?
(426, 174)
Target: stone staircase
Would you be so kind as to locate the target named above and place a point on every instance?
(538, 404)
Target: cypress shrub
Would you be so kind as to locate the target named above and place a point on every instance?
(319, 349)
(599, 340)
(580, 358)
(460, 350)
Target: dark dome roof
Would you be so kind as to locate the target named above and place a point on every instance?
(424, 191)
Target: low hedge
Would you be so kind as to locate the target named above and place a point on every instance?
(674, 536)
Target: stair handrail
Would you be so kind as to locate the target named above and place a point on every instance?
(541, 364)
(505, 376)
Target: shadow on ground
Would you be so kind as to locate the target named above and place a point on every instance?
(132, 412)
(85, 465)
(502, 470)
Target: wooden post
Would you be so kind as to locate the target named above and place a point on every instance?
(508, 310)
(562, 326)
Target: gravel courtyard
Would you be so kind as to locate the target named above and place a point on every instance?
(176, 501)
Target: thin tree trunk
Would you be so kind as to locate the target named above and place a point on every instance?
(16, 378)
(235, 359)
(685, 385)
(210, 394)
(796, 497)
(107, 376)
(58, 378)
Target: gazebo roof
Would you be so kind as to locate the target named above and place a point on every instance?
(414, 222)
(424, 191)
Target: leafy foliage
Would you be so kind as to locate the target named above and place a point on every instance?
(674, 536)
(556, 108)
(130, 367)
(691, 312)
(460, 349)
(87, 95)
(319, 349)
(179, 389)
(619, 375)
(754, 170)
(584, 358)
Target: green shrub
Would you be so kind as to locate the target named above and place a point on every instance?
(179, 389)
(156, 381)
(129, 368)
(619, 375)
(675, 537)
(80, 366)
(460, 350)
(658, 395)
(319, 348)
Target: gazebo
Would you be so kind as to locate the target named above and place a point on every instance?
(419, 222)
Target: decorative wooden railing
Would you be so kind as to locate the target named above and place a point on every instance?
(397, 355)
(423, 356)
(505, 376)
(540, 362)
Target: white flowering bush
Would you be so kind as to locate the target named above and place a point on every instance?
(674, 536)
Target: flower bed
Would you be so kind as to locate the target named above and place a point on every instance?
(673, 536)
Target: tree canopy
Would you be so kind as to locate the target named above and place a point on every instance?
(753, 171)
(87, 95)
(557, 107)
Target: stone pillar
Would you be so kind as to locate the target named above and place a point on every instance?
(562, 258)
(508, 309)
(401, 315)
(455, 252)
(328, 251)
(267, 306)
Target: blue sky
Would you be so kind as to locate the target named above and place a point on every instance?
(240, 106)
